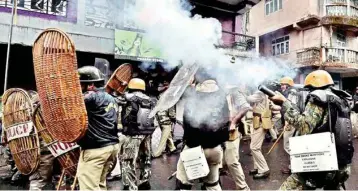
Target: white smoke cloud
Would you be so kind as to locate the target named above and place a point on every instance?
(186, 39)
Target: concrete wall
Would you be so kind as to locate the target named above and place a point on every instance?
(292, 11)
(86, 38)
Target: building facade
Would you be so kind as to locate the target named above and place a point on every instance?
(311, 34)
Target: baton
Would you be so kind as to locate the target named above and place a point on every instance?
(266, 91)
(171, 176)
(278, 139)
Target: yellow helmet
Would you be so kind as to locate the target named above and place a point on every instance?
(318, 79)
(287, 80)
(136, 84)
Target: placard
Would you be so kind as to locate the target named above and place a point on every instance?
(59, 148)
(312, 153)
(19, 130)
(195, 163)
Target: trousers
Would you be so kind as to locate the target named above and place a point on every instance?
(93, 167)
(231, 160)
(136, 147)
(213, 157)
(165, 139)
(43, 175)
(257, 138)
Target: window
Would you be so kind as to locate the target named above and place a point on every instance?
(281, 45)
(341, 38)
(272, 6)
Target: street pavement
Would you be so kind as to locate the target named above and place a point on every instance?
(164, 166)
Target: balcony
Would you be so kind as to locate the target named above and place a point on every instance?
(309, 57)
(341, 12)
(339, 59)
(236, 44)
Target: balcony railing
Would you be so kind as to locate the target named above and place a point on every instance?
(308, 56)
(238, 41)
(342, 8)
(341, 55)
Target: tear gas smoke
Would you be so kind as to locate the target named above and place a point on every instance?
(186, 39)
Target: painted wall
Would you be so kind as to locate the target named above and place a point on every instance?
(90, 27)
(292, 11)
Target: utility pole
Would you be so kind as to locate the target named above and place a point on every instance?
(14, 7)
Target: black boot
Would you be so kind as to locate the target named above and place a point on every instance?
(263, 175)
(253, 172)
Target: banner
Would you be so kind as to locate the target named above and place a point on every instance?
(133, 45)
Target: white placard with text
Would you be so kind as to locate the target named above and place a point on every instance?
(59, 148)
(312, 153)
(19, 130)
(195, 163)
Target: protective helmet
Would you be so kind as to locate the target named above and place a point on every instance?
(90, 74)
(287, 80)
(318, 79)
(136, 84)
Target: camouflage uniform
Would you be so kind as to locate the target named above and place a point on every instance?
(134, 147)
(43, 175)
(165, 119)
(304, 124)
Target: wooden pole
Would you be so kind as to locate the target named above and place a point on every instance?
(74, 184)
(278, 139)
(60, 181)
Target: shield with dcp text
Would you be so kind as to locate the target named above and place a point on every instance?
(19, 130)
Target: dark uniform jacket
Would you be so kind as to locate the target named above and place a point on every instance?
(102, 120)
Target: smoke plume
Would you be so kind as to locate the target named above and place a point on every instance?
(186, 39)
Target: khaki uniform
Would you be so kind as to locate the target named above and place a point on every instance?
(93, 167)
(213, 157)
(261, 123)
(231, 160)
(236, 101)
(165, 124)
(136, 147)
(43, 174)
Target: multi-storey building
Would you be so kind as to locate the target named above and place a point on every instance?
(99, 30)
(310, 34)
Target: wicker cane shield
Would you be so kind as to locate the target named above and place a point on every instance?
(119, 80)
(67, 154)
(19, 130)
(58, 85)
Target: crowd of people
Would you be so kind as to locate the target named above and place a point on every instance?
(120, 130)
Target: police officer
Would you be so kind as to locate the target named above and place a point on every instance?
(286, 87)
(261, 123)
(138, 127)
(325, 106)
(206, 124)
(238, 108)
(100, 143)
(165, 120)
